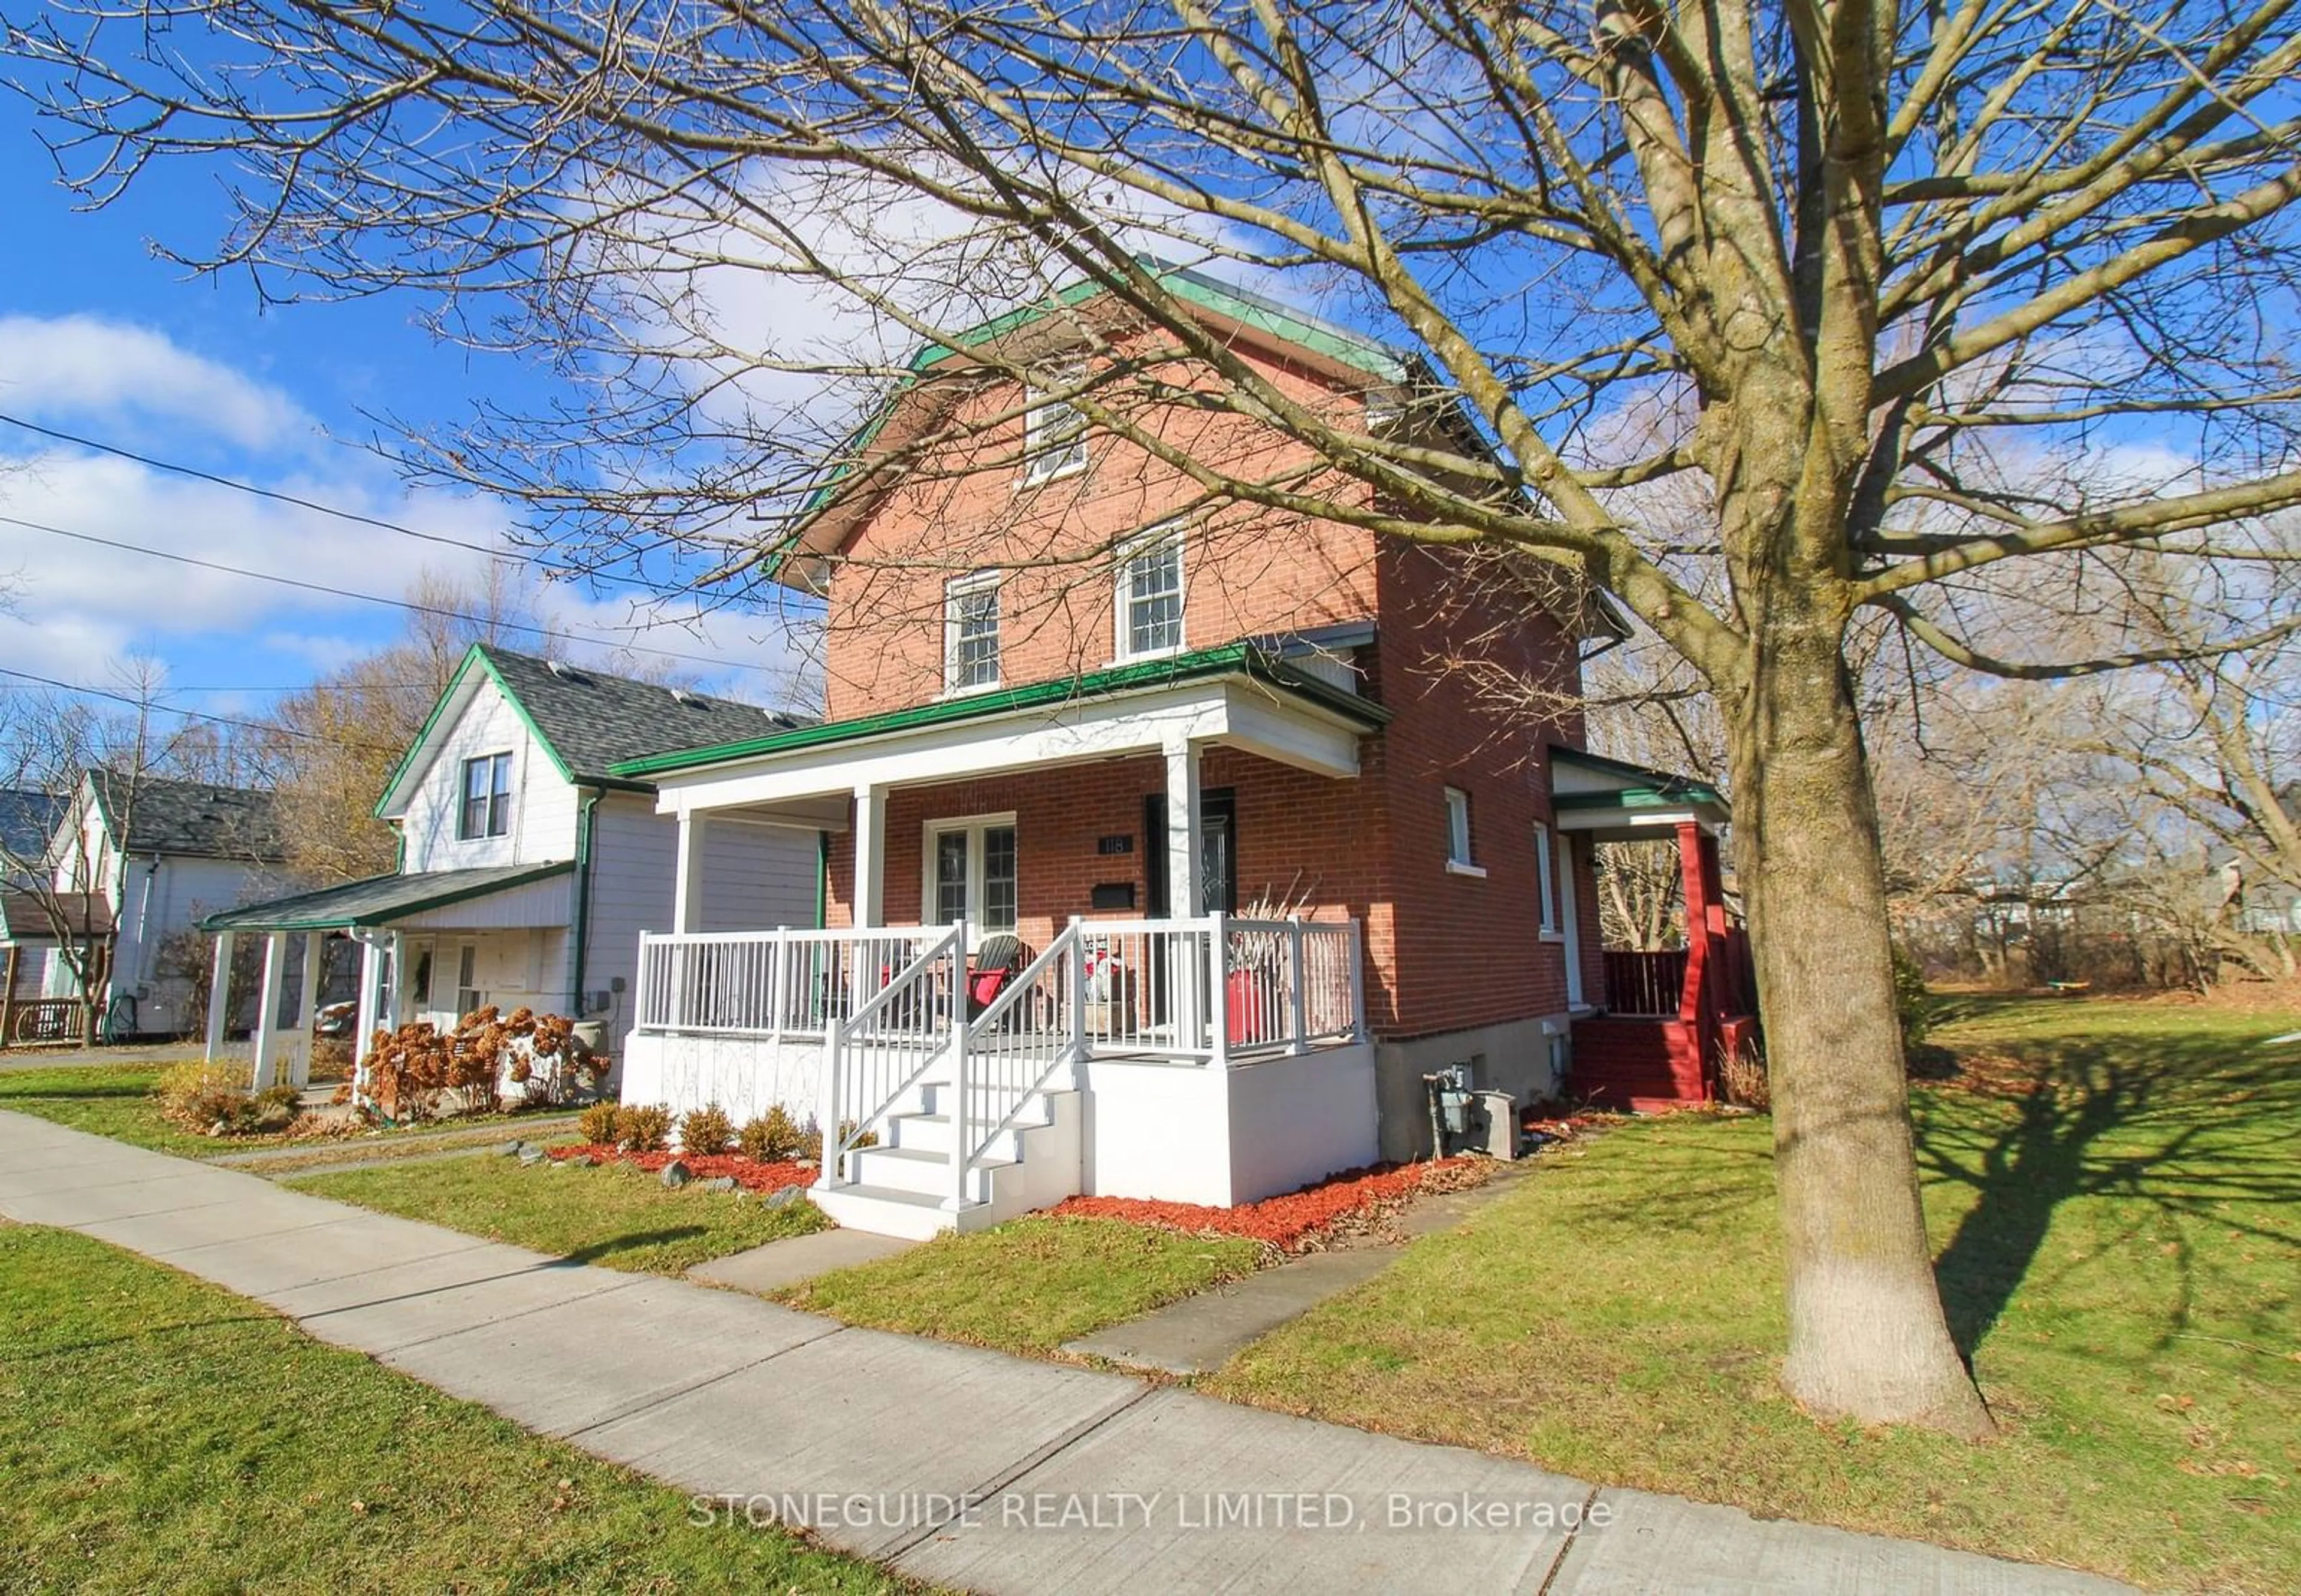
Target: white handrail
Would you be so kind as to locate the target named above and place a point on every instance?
(901, 1058)
(993, 1038)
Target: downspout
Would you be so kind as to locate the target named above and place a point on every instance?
(821, 879)
(583, 897)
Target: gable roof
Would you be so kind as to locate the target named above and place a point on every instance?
(196, 818)
(28, 820)
(589, 721)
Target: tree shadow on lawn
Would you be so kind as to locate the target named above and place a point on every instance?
(2177, 1125)
(634, 1242)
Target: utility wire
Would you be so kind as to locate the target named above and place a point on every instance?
(268, 728)
(715, 661)
(318, 507)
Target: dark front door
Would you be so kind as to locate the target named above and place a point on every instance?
(1218, 855)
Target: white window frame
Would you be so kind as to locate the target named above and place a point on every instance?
(1460, 841)
(495, 760)
(975, 827)
(467, 970)
(1157, 540)
(958, 589)
(1545, 872)
(1051, 450)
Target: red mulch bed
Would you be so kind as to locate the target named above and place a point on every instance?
(749, 1173)
(1302, 1221)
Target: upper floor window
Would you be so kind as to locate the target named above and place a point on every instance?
(1458, 833)
(1054, 431)
(487, 797)
(971, 633)
(1150, 597)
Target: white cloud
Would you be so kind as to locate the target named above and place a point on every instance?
(75, 367)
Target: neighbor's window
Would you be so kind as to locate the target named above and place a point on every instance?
(469, 998)
(1054, 430)
(1458, 829)
(487, 797)
(971, 633)
(1150, 597)
(1545, 878)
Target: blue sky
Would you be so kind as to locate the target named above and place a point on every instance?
(99, 339)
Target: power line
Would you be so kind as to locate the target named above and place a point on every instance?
(318, 507)
(718, 662)
(268, 728)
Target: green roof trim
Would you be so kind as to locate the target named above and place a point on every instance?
(1251, 659)
(380, 899)
(1650, 789)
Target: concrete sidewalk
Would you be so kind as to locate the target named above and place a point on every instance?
(958, 1466)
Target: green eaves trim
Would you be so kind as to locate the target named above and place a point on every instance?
(1640, 797)
(308, 911)
(474, 656)
(1245, 659)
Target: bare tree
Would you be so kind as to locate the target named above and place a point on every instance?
(1892, 286)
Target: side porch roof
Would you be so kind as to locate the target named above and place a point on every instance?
(1612, 800)
(383, 900)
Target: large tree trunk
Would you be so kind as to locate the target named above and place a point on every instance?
(1868, 1337)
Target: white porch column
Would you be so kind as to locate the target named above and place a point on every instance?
(870, 855)
(1184, 887)
(264, 1039)
(371, 994)
(687, 884)
(307, 1002)
(219, 994)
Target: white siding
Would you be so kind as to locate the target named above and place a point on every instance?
(512, 969)
(754, 877)
(543, 801)
(163, 901)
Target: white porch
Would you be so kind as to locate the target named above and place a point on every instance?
(1212, 1060)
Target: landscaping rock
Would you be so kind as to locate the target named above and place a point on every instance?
(725, 1182)
(782, 1197)
(675, 1174)
(510, 1149)
(532, 1155)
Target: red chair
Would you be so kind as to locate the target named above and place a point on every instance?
(994, 964)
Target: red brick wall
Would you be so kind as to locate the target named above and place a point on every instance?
(1247, 571)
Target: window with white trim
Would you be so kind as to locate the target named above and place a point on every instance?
(487, 798)
(1150, 585)
(1458, 829)
(1054, 430)
(1545, 874)
(469, 998)
(971, 872)
(971, 633)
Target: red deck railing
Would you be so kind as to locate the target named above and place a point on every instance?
(1646, 983)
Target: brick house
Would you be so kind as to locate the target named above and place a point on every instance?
(1270, 860)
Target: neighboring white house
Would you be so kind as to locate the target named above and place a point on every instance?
(148, 857)
(527, 869)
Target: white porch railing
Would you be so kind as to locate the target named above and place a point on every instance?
(893, 1009)
(768, 983)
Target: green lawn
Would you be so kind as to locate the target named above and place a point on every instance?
(2120, 1250)
(108, 1099)
(1028, 1285)
(159, 1433)
(615, 1216)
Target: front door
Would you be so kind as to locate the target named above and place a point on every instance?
(1218, 855)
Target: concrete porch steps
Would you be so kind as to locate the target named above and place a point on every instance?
(904, 1187)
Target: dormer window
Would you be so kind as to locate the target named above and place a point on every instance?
(487, 798)
(1054, 430)
(971, 633)
(1149, 621)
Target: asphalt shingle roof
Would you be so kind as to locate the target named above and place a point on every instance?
(28, 820)
(595, 722)
(32, 916)
(380, 900)
(193, 817)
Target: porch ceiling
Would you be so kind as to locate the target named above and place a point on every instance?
(1235, 698)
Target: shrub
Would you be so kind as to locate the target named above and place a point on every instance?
(596, 1123)
(642, 1128)
(706, 1130)
(773, 1137)
(1912, 1005)
(1744, 1071)
(212, 1099)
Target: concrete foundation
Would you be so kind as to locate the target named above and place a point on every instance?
(1514, 1057)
